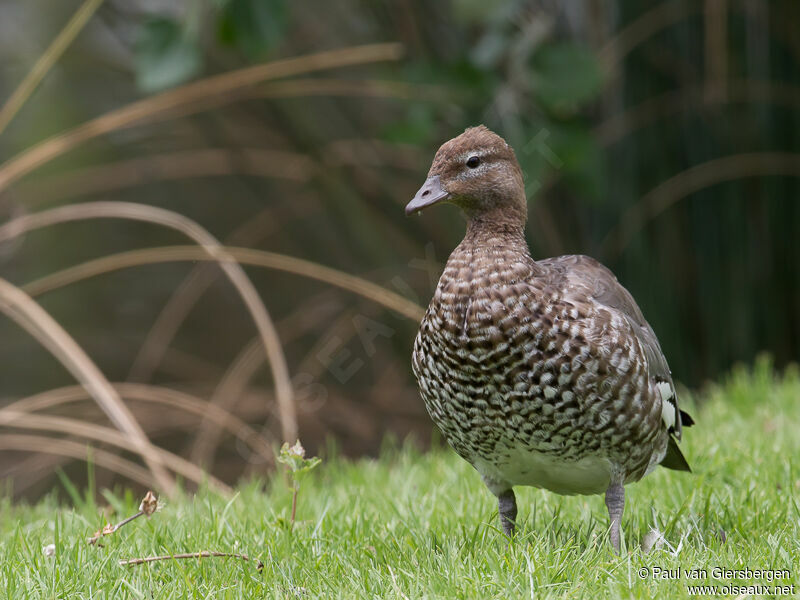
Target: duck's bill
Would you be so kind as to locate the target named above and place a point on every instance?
(430, 193)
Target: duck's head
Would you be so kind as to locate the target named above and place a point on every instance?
(478, 172)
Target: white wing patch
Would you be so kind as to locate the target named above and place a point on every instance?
(667, 406)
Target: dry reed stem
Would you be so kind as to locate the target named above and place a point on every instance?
(185, 164)
(77, 450)
(624, 123)
(374, 88)
(235, 380)
(188, 292)
(661, 16)
(46, 61)
(149, 109)
(28, 471)
(716, 49)
(208, 410)
(691, 180)
(694, 98)
(340, 328)
(364, 88)
(30, 316)
(227, 392)
(211, 249)
(107, 435)
(202, 554)
(245, 256)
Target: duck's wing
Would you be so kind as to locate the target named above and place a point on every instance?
(584, 275)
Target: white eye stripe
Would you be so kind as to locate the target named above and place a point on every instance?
(468, 172)
(467, 155)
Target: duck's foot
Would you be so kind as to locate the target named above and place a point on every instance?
(507, 506)
(615, 502)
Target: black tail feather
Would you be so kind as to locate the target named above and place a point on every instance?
(674, 458)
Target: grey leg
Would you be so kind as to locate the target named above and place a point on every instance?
(507, 505)
(615, 502)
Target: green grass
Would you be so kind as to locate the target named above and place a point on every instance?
(414, 525)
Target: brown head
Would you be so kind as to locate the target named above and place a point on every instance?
(478, 172)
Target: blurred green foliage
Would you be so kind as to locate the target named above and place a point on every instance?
(166, 55)
(253, 26)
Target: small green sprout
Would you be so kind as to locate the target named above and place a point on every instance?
(297, 465)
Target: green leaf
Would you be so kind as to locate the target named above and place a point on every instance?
(582, 165)
(294, 457)
(415, 128)
(565, 76)
(165, 55)
(255, 26)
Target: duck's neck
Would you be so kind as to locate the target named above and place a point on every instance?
(494, 228)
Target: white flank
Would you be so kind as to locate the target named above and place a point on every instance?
(667, 406)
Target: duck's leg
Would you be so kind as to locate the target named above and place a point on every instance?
(507, 506)
(615, 502)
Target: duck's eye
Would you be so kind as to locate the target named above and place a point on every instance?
(473, 161)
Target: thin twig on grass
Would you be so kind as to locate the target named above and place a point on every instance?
(203, 554)
(147, 507)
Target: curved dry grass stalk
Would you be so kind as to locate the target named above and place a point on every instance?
(373, 153)
(194, 285)
(341, 328)
(661, 16)
(619, 125)
(211, 250)
(715, 20)
(46, 61)
(237, 378)
(692, 180)
(363, 88)
(245, 256)
(30, 470)
(18, 306)
(78, 450)
(226, 394)
(626, 122)
(158, 395)
(151, 109)
(371, 88)
(98, 433)
(185, 164)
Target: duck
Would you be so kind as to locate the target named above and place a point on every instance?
(539, 373)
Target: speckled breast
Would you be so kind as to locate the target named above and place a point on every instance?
(507, 365)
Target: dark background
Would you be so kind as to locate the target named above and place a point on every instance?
(660, 138)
